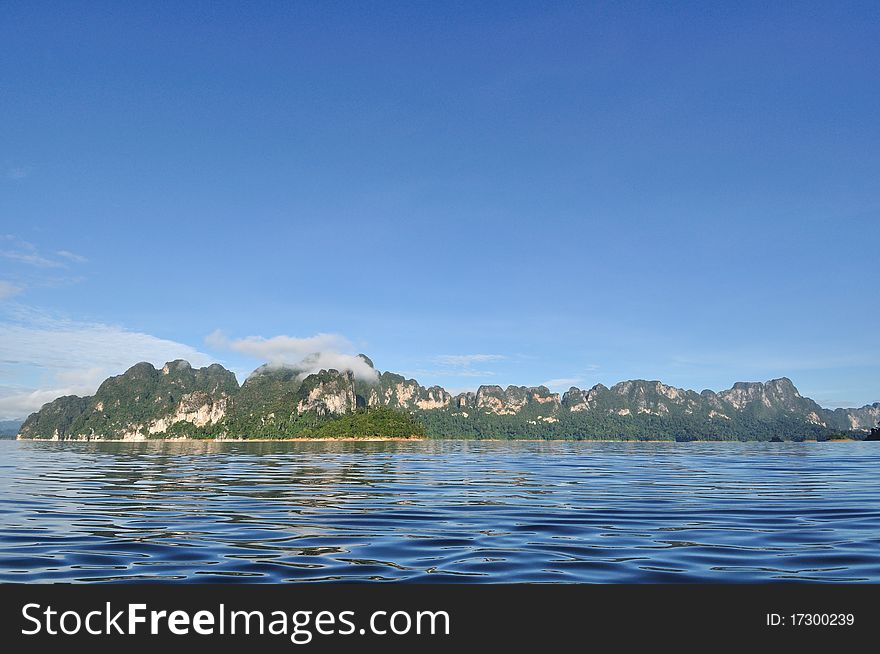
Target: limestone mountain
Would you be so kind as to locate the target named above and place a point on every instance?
(142, 401)
(278, 401)
(397, 392)
(54, 420)
(861, 419)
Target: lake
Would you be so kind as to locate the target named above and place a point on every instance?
(439, 511)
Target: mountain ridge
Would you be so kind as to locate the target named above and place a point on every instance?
(282, 401)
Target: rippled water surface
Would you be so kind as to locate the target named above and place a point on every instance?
(439, 511)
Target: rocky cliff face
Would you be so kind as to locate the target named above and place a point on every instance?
(576, 400)
(652, 398)
(862, 419)
(398, 392)
(329, 392)
(513, 400)
(145, 402)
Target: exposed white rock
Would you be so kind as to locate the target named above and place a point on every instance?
(335, 396)
(436, 399)
(195, 408)
(669, 391)
(405, 392)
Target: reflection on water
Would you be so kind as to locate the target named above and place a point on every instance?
(439, 511)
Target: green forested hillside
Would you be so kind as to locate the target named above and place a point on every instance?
(295, 401)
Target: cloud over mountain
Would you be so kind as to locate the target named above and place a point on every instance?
(310, 354)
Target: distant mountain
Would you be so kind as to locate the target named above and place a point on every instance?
(9, 428)
(284, 401)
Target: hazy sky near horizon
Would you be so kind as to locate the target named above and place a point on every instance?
(470, 193)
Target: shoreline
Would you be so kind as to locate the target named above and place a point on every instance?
(405, 439)
(187, 439)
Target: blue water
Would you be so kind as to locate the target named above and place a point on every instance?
(440, 511)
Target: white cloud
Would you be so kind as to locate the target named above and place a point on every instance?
(432, 373)
(20, 405)
(27, 253)
(72, 256)
(58, 356)
(458, 365)
(8, 289)
(69, 345)
(467, 359)
(30, 258)
(562, 382)
(278, 349)
(311, 354)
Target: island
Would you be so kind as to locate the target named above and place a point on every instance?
(284, 401)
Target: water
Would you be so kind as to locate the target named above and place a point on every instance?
(460, 511)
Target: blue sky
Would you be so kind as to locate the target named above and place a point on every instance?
(470, 193)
